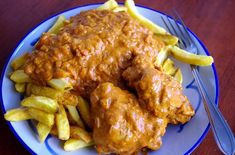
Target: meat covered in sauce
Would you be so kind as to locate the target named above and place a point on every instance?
(109, 59)
(120, 124)
(158, 92)
(93, 47)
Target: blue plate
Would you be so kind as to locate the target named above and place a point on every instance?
(179, 139)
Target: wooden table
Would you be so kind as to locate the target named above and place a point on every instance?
(213, 21)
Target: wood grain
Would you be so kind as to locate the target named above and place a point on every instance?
(213, 22)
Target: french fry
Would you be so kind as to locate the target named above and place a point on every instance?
(75, 144)
(18, 62)
(18, 114)
(60, 84)
(169, 67)
(75, 115)
(109, 5)
(40, 102)
(44, 91)
(43, 131)
(168, 39)
(79, 133)
(62, 124)
(71, 120)
(120, 9)
(178, 75)
(20, 87)
(63, 97)
(131, 9)
(41, 116)
(19, 76)
(84, 108)
(161, 57)
(57, 25)
(190, 58)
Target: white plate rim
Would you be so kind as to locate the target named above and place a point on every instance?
(38, 25)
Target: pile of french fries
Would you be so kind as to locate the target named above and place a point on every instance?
(57, 111)
(53, 115)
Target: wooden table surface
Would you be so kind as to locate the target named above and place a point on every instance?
(213, 22)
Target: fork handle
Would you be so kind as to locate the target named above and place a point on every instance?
(221, 130)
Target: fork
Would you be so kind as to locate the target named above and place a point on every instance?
(221, 130)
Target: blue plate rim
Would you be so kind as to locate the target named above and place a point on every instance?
(61, 12)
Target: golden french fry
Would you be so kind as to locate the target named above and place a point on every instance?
(57, 25)
(131, 9)
(79, 133)
(161, 57)
(75, 115)
(190, 58)
(169, 67)
(168, 39)
(109, 5)
(19, 76)
(62, 124)
(18, 62)
(40, 102)
(178, 75)
(120, 9)
(63, 97)
(84, 109)
(43, 131)
(44, 91)
(41, 116)
(68, 98)
(71, 120)
(60, 84)
(75, 144)
(20, 87)
(18, 114)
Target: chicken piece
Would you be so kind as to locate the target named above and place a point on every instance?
(157, 91)
(120, 125)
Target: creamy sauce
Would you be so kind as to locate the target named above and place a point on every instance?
(93, 47)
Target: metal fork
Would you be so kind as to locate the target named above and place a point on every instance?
(221, 130)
